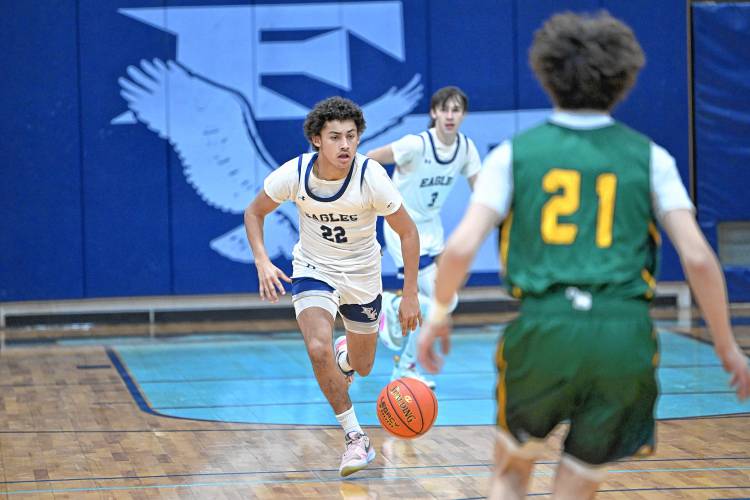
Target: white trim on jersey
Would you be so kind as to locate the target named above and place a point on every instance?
(336, 218)
(494, 186)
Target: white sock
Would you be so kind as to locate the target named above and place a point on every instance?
(343, 361)
(349, 422)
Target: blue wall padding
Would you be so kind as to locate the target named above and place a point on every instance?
(93, 203)
(722, 123)
(41, 212)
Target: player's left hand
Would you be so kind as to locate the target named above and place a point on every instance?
(426, 353)
(409, 314)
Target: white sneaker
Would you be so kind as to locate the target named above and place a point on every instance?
(411, 371)
(390, 328)
(359, 452)
(339, 348)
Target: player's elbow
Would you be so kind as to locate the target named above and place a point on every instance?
(408, 232)
(462, 245)
(457, 254)
(249, 213)
(412, 232)
(251, 217)
(699, 260)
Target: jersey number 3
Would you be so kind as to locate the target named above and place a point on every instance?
(567, 186)
(335, 235)
(433, 200)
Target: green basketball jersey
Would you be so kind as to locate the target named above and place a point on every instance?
(581, 212)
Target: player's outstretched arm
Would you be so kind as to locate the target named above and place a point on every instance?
(707, 282)
(455, 261)
(269, 276)
(383, 155)
(409, 314)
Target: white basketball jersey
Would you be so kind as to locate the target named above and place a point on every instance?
(425, 175)
(336, 218)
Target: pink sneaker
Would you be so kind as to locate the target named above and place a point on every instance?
(339, 348)
(359, 452)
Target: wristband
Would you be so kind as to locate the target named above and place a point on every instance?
(438, 312)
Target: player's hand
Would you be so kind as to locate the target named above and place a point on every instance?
(735, 363)
(409, 314)
(269, 281)
(426, 353)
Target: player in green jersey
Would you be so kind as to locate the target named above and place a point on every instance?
(579, 198)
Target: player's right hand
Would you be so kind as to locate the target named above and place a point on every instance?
(735, 363)
(269, 281)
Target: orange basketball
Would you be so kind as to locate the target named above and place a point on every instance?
(407, 408)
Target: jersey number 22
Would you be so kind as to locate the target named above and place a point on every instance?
(335, 235)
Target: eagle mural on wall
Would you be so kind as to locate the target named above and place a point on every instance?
(205, 110)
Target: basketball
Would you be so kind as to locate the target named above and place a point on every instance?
(406, 408)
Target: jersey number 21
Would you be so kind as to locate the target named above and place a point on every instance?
(567, 202)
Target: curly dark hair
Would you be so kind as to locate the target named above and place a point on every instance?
(445, 94)
(586, 61)
(333, 108)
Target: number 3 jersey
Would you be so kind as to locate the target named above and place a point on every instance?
(336, 218)
(425, 175)
(580, 195)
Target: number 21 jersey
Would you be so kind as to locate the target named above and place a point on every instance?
(581, 195)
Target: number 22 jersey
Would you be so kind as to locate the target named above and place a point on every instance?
(336, 218)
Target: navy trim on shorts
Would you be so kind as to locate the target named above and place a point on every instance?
(424, 261)
(300, 285)
(335, 196)
(362, 176)
(434, 151)
(362, 313)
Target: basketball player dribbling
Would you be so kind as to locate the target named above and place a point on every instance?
(336, 262)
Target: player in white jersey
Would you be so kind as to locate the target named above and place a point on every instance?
(336, 266)
(427, 167)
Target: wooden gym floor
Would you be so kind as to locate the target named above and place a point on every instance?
(178, 417)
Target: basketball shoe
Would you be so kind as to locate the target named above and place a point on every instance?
(339, 348)
(359, 452)
(390, 328)
(410, 371)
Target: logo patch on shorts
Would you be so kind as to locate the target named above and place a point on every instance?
(370, 312)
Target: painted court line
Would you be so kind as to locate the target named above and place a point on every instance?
(391, 478)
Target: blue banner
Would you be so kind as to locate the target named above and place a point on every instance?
(136, 148)
(722, 123)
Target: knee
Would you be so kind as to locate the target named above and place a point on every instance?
(319, 352)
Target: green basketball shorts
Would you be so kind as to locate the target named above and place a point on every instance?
(594, 367)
